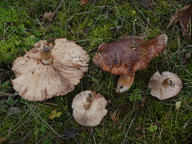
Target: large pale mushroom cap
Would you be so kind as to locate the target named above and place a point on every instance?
(55, 74)
(129, 54)
(165, 85)
(89, 108)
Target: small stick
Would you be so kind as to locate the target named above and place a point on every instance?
(6, 94)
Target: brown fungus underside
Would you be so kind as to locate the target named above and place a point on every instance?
(165, 85)
(89, 108)
(47, 71)
(129, 54)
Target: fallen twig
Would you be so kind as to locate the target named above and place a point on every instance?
(6, 94)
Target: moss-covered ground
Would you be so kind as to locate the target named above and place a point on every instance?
(146, 121)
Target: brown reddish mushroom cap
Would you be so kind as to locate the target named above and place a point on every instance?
(38, 79)
(165, 85)
(89, 108)
(129, 54)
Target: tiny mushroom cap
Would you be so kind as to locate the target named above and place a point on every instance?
(89, 108)
(165, 85)
(128, 55)
(47, 71)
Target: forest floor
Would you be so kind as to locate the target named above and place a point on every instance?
(141, 118)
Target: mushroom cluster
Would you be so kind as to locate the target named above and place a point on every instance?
(127, 56)
(165, 85)
(89, 108)
(49, 70)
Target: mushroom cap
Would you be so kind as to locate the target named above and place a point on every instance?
(36, 81)
(89, 117)
(129, 54)
(165, 85)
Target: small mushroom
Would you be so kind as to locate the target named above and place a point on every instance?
(128, 55)
(47, 71)
(165, 85)
(89, 108)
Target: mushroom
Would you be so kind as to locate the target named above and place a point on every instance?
(128, 55)
(165, 85)
(47, 71)
(89, 108)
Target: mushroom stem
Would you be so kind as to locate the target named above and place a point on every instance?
(124, 83)
(88, 102)
(168, 82)
(46, 57)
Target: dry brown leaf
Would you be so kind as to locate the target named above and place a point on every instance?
(115, 116)
(143, 101)
(48, 16)
(138, 128)
(2, 139)
(184, 16)
(83, 2)
(177, 105)
(147, 3)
